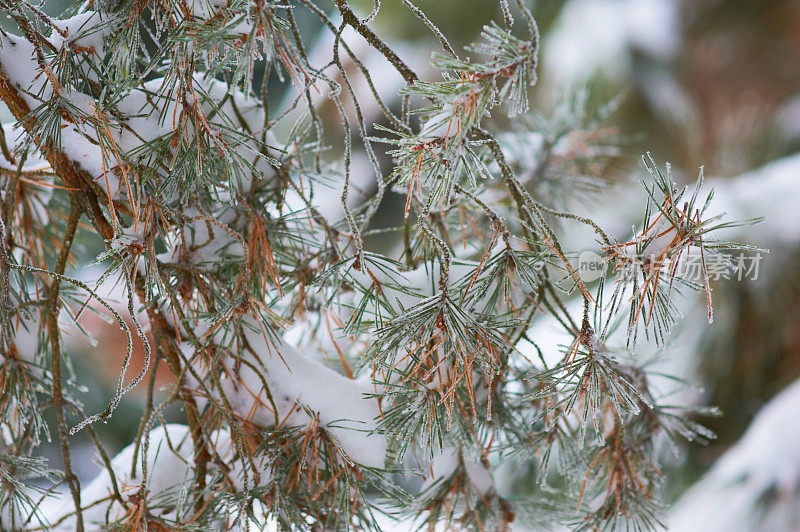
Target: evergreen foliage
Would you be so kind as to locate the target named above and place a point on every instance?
(318, 374)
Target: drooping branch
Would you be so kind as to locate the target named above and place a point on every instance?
(54, 334)
(372, 38)
(66, 169)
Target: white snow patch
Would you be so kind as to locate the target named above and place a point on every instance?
(86, 30)
(343, 406)
(592, 36)
(168, 467)
(754, 486)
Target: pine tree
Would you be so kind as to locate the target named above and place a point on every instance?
(323, 360)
